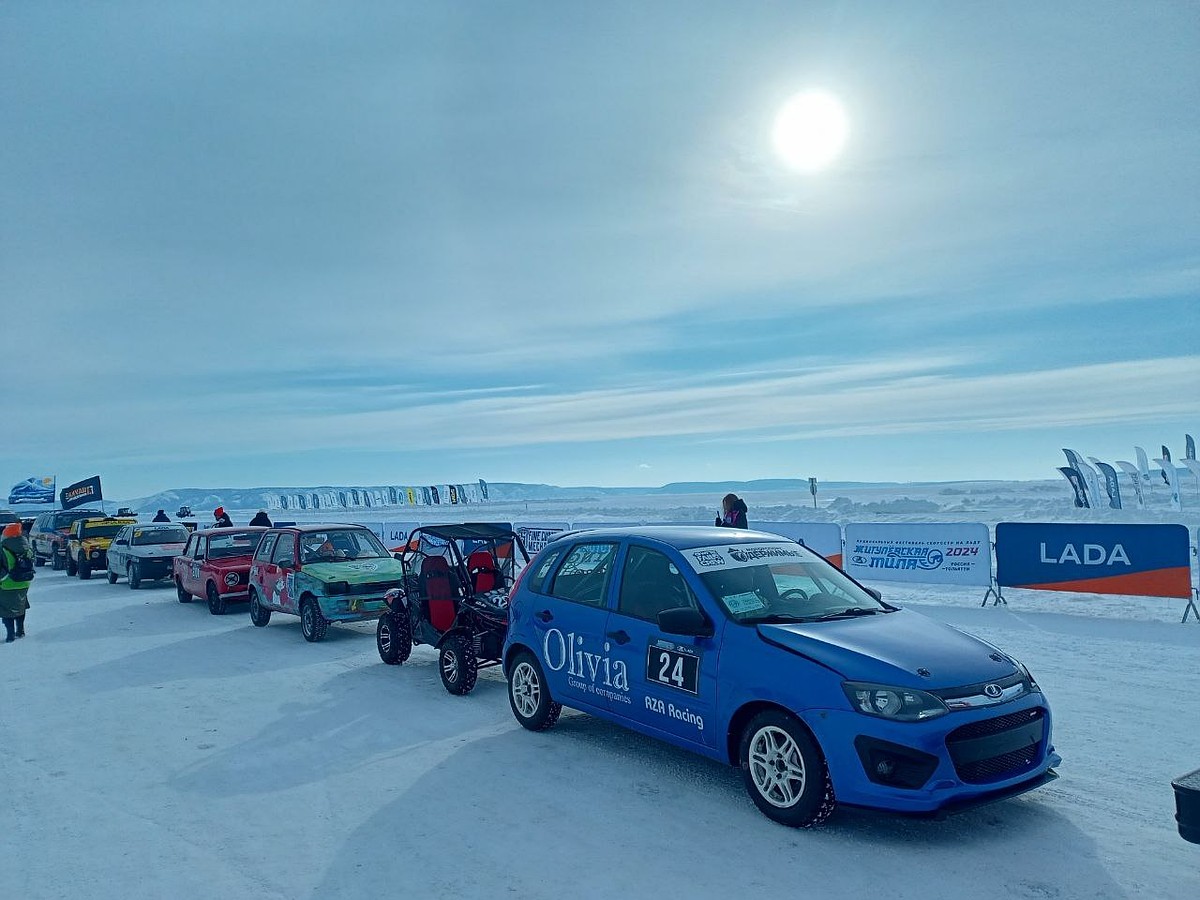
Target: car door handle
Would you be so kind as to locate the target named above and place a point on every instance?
(545, 615)
(619, 636)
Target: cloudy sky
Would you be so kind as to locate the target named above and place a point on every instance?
(301, 243)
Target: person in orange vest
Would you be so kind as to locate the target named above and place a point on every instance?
(16, 574)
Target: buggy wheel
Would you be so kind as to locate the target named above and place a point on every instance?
(457, 664)
(784, 771)
(216, 603)
(112, 577)
(83, 568)
(57, 563)
(393, 638)
(39, 561)
(259, 614)
(72, 568)
(313, 623)
(529, 695)
(135, 575)
(184, 596)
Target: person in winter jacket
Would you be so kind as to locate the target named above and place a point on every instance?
(223, 520)
(261, 518)
(161, 516)
(733, 509)
(14, 592)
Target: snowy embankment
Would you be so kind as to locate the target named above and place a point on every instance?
(153, 750)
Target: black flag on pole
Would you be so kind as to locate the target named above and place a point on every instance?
(81, 492)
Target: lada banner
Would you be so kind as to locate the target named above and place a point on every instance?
(820, 537)
(950, 553)
(395, 534)
(1143, 560)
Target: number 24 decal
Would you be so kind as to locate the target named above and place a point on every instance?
(673, 666)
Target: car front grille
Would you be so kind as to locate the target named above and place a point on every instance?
(377, 588)
(1000, 748)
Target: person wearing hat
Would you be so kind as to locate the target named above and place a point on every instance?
(223, 520)
(16, 562)
(261, 518)
(161, 516)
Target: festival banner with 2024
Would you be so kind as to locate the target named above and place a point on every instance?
(1141, 560)
(943, 553)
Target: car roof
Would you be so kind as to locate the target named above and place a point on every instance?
(465, 531)
(681, 537)
(306, 528)
(240, 529)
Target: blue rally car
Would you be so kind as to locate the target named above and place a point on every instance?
(755, 651)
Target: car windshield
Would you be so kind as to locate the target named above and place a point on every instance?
(101, 529)
(780, 582)
(176, 534)
(340, 544)
(237, 543)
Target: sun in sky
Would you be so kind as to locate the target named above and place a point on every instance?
(810, 130)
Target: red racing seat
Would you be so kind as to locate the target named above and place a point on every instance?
(484, 574)
(438, 591)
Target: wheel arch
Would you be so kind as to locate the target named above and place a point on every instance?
(511, 653)
(741, 718)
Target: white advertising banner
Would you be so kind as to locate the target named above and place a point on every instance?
(951, 553)
(395, 534)
(536, 535)
(820, 537)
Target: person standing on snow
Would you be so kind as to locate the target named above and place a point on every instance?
(223, 520)
(16, 564)
(261, 518)
(161, 516)
(733, 509)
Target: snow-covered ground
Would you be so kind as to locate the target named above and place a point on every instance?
(152, 750)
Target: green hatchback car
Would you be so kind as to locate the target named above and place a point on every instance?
(323, 574)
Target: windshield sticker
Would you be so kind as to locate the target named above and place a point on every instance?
(744, 603)
(705, 559)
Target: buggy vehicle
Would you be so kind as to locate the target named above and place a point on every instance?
(454, 598)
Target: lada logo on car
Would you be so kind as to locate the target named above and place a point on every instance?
(993, 690)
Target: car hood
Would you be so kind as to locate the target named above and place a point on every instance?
(890, 648)
(356, 571)
(149, 551)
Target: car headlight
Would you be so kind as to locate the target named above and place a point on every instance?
(1030, 681)
(232, 578)
(896, 703)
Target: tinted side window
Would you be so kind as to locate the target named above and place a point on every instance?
(650, 583)
(542, 568)
(265, 546)
(285, 551)
(583, 576)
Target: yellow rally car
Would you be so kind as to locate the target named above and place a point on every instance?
(87, 547)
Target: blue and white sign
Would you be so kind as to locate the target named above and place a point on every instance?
(535, 536)
(951, 553)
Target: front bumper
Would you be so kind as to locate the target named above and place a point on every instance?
(353, 609)
(155, 567)
(958, 761)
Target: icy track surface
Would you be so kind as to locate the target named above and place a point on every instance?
(152, 750)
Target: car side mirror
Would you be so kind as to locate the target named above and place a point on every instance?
(878, 595)
(397, 556)
(685, 620)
